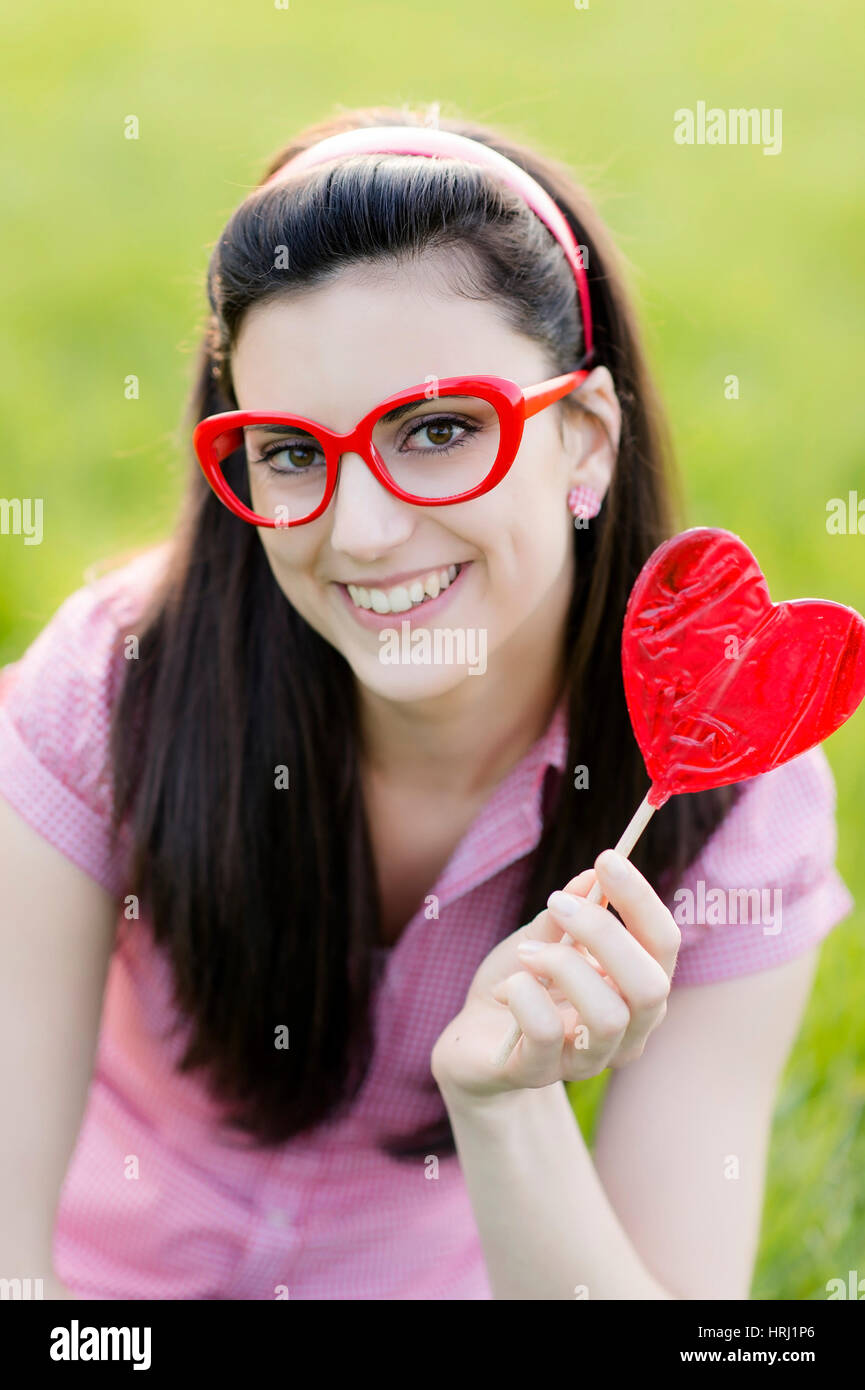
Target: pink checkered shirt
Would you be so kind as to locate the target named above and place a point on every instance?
(331, 1214)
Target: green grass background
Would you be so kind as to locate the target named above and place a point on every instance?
(742, 263)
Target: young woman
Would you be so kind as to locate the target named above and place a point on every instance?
(298, 807)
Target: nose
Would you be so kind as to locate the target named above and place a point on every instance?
(367, 520)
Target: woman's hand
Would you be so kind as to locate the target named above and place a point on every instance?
(583, 1005)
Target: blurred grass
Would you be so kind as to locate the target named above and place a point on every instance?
(743, 263)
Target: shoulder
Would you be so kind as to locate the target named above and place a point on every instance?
(764, 888)
(68, 675)
(55, 710)
(82, 628)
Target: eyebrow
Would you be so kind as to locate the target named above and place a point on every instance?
(274, 429)
(400, 410)
(391, 416)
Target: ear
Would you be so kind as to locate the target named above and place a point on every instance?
(592, 434)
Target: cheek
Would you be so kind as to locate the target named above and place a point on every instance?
(536, 485)
(291, 563)
(542, 551)
(528, 535)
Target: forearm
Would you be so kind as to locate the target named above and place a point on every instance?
(547, 1228)
(56, 928)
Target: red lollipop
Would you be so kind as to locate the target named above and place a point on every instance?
(722, 684)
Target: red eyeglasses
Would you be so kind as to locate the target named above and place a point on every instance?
(445, 441)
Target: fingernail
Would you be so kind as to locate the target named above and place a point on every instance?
(528, 948)
(565, 904)
(612, 864)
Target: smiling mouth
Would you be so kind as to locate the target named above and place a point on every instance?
(401, 598)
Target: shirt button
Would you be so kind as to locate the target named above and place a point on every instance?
(276, 1217)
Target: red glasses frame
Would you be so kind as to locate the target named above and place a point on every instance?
(217, 436)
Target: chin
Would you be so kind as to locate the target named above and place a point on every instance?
(405, 683)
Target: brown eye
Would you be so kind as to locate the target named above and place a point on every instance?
(300, 455)
(440, 432)
(290, 456)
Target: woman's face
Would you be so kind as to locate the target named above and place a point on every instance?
(332, 353)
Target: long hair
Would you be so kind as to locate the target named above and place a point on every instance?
(266, 903)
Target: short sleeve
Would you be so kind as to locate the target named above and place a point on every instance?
(55, 716)
(764, 888)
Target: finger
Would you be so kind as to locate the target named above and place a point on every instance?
(542, 1025)
(601, 1008)
(583, 884)
(499, 992)
(640, 908)
(543, 927)
(639, 977)
(580, 887)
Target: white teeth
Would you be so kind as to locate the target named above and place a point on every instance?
(399, 599)
(402, 597)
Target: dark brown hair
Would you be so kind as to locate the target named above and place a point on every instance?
(266, 904)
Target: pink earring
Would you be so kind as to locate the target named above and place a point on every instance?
(584, 502)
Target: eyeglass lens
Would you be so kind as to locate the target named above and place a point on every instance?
(431, 448)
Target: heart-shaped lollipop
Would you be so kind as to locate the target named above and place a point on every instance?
(721, 683)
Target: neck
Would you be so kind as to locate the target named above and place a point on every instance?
(466, 740)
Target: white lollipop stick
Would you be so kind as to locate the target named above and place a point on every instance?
(634, 829)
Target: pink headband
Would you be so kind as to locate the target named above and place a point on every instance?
(429, 140)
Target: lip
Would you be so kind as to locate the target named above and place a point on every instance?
(416, 616)
(389, 581)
